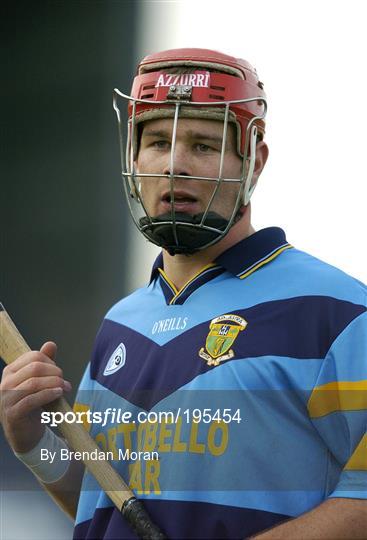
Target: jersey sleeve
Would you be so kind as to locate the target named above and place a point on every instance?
(338, 409)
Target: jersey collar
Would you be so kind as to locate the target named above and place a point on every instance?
(246, 256)
(241, 260)
(253, 252)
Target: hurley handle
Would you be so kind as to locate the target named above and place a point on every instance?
(13, 345)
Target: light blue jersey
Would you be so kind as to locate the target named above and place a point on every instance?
(244, 394)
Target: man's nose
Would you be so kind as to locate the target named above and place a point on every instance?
(181, 162)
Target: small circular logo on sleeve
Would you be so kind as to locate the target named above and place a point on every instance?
(116, 360)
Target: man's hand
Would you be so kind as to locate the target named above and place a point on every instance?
(29, 383)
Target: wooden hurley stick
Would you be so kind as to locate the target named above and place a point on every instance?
(12, 345)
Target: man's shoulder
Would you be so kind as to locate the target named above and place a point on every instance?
(135, 302)
(315, 276)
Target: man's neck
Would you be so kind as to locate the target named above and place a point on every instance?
(181, 268)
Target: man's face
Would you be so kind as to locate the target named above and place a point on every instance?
(197, 153)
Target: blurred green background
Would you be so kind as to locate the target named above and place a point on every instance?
(64, 243)
(64, 240)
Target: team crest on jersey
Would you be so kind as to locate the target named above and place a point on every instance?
(116, 361)
(223, 332)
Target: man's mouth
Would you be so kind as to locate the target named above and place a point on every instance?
(182, 201)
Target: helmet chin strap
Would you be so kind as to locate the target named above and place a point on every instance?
(187, 235)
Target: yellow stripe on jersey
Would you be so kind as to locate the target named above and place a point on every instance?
(265, 261)
(169, 282)
(184, 287)
(176, 292)
(337, 396)
(358, 460)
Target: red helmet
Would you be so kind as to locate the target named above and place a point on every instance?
(193, 83)
(215, 77)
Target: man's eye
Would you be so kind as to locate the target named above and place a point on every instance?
(161, 145)
(204, 148)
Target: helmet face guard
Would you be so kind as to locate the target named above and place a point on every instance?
(199, 94)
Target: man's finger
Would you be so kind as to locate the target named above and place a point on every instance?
(30, 370)
(49, 349)
(31, 402)
(25, 359)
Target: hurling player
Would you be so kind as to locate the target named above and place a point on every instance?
(256, 349)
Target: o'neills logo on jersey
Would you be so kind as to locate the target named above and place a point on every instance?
(199, 78)
(116, 360)
(223, 332)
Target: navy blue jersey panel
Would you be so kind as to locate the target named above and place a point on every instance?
(303, 327)
(207, 521)
(95, 529)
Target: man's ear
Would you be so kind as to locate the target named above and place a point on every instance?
(262, 153)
